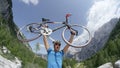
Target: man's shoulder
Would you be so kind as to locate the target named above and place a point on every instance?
(49, 50)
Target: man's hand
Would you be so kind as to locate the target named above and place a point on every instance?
(73, 32)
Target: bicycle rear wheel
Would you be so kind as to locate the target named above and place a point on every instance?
(81, 40)
(25, 34)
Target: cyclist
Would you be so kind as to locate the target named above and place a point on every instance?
(55, 56)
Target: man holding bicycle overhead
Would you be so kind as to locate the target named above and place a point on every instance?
(55, 56)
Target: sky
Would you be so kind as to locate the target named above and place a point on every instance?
(84, 12)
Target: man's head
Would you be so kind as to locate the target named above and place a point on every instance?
(57, 45)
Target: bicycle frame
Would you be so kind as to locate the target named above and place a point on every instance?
(65, 24)
(37, 27)
(40, 29)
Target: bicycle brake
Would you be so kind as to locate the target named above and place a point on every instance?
(76, 32)
(30, 29)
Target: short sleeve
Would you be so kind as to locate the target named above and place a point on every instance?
(62, 52)
(49, 50)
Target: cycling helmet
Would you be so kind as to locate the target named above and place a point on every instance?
(57, 42)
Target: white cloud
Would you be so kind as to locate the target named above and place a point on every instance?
(34, 2)
(100, 13)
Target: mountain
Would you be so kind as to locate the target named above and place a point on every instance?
(110, 52)
(10, 47)
(107, 57)
(100, 38)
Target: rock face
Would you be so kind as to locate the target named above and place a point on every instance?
(6, 9)
(117, 64)
(7, 15)
(110, 65)
(4, 63)
(98, 41)
(107, 65)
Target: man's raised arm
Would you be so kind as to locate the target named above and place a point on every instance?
(70, 40)
(46, 42)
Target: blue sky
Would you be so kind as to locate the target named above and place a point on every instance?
(84, 12)
(55, 10)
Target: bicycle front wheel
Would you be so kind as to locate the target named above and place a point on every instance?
(25, 34)
(81, 40)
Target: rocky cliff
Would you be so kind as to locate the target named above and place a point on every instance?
(6, 14)
(98, 41)
(6, 9)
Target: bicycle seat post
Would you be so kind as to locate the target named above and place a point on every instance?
(66, 22)
(67, 15)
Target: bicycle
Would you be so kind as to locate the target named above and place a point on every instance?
(39, 29)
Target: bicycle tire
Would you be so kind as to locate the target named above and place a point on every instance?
(76, 46)
(23, 38)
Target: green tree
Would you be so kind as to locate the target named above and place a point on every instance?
(37, 48)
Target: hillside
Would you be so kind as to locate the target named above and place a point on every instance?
(110, 52)
(17, 48)
(9, 39)
(97, 43)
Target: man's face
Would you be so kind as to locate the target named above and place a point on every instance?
(56, 47)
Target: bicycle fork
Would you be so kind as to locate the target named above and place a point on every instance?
(72, 30)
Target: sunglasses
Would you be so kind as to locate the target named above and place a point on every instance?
(57, 44)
